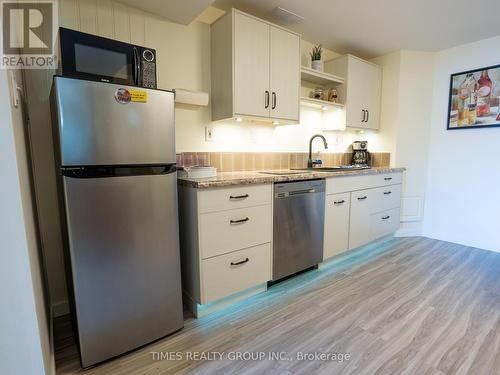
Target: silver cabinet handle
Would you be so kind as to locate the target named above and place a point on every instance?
(387, 192)
(386, 217)
(339, 202)
(266, 99)
(240, 262)
(388, 178)
(244, 196)
(367, 115)
(364, 115)
(362, 198)
(275, 103)
(239, 221)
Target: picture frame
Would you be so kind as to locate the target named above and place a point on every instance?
(474, 99)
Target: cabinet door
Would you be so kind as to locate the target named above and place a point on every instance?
(251, 66)
(373, 88)
(360, 221)
(285, 73)
(356, 93)
(384, 223)
(336, 238)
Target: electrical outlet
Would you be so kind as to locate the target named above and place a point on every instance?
(209, 134)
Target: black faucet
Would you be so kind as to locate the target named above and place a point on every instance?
(310, 162)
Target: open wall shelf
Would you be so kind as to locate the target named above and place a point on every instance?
(320, 78)
(321, 104)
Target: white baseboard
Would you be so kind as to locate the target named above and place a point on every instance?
(60, 308)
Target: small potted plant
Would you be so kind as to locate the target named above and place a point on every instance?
(316, 57)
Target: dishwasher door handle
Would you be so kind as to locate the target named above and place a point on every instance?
(298, 192)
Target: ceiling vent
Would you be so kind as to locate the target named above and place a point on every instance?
(285, 16)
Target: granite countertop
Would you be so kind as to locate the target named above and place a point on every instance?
(246, 178)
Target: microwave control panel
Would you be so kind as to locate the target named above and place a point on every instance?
(148, 69)
(148, 74)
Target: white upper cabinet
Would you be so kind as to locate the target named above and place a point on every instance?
(251, 66)
(255, 69)
(285, 74)
(361, 91)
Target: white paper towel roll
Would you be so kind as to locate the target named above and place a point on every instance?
(191, 97)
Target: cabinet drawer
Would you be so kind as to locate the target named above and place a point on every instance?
(386, 198)
(384, 223)
(230, 273)
(221, 199)
(226, 231)
(336, 224)
(359, 229)
(335, 185)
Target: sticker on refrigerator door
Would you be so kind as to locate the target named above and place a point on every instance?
(123, 96)
(139, 96)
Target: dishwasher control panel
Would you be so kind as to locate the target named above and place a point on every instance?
(286, 189)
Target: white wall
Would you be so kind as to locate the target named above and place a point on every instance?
(25, 341)
(462, 202)
(405, 125)
(389, 106)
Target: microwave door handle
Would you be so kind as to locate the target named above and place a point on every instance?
(136, 66)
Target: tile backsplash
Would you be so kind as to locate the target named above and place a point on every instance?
(256, 161)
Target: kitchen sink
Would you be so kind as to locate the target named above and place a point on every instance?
(286, 173)
(333, 169)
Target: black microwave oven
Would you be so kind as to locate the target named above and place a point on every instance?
(101, 59)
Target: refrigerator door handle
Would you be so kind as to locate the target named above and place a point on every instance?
(101, 171)
(136, 66)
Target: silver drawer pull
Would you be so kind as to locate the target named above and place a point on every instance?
(362, 198)
(388, 178)
(339, 202)
(387, 192)
(239, 221)
(238, 197)
(386, 217)
(240, 262)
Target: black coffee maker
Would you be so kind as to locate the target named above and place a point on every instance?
(360, 155)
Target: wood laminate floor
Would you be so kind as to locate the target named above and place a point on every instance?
(407, 306)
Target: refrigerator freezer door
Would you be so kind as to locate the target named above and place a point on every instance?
(95, 128)
(125, 261)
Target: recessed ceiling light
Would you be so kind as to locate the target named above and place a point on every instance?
(239, 119)
(324, 107)
(276, 122)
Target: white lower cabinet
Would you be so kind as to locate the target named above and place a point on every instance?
(336, 238)
(225, 237)
(370, 210)
(360, 222)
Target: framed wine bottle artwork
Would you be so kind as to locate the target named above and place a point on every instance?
(474, 100)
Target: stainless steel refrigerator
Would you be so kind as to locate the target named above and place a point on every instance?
(115, 150)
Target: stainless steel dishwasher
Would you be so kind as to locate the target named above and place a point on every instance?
(299, 215)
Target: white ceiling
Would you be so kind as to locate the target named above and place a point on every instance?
(180, 11)
(370, 28)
